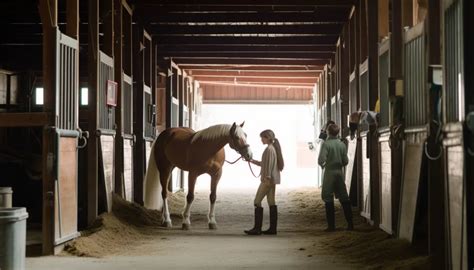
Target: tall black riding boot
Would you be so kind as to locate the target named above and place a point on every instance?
(348, 214)
(273, 220)
(257, 228)
(330, 217)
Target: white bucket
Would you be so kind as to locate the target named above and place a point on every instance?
(6, 197)
(13, 238)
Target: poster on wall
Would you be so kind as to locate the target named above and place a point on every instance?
(111, 93)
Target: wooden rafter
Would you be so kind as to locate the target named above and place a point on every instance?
(259, 68)
(255, 74)
(295, 29)
(250, 61)
(240, 55)
(247, 2)
(253, 17)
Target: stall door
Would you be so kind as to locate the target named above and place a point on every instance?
(454, 145)
(63, 155)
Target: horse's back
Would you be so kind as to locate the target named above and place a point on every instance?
(176, 133)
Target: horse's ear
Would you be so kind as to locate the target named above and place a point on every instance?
(232, 129)
(241, 125)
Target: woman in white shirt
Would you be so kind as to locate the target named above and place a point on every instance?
(271, 165)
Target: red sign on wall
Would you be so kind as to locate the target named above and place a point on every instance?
(111, 93)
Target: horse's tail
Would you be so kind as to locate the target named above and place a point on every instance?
(151, 186)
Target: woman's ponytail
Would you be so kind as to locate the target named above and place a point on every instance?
(280, 162)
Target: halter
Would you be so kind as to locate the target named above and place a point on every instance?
(234, 142)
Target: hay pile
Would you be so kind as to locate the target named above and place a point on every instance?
(119, 232)
(366, 246)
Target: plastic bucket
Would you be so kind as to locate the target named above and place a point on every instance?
(6, 197)
(13, 238)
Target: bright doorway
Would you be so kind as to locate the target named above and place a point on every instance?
(293, 126)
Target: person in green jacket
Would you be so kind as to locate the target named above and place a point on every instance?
(332, 158)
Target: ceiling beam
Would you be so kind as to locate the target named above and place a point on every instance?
(246, 2)
(250, 61)
(248, 48)
(255, 74)
(297, 29)
(153, 16)
(250, 68)
(266, 85)
(177, 9)
(235, 54)
(292, 81)
(221, 40)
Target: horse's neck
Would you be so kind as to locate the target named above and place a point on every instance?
(212, 138)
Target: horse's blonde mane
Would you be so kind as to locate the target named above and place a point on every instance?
(211, 133)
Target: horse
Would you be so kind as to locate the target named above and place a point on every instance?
(196, 152)
(361, 118)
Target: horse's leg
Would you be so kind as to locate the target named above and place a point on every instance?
(164, 179)
(214, 181)
(189, 201)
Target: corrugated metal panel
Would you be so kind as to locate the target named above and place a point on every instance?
(364, 87)
(149, 113)
(68, 83)
(454, 62)
(384, 73)
(353, 94)
(106, 72)
(127, 105)
(415, 77)
(334, 110)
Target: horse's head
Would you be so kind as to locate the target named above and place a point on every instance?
(238, 141)
(354, 120)
(367, 118)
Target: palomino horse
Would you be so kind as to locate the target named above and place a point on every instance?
(196, 152)
(361, 118)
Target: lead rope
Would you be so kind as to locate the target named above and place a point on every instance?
(250, 167)
(234, 161)
(253, 172)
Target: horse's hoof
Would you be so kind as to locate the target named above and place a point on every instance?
(167, 224)
(186, 227)
(212, 226)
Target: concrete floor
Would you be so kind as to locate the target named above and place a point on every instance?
(295, 247)
(205, 252)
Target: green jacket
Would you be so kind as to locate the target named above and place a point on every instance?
(333, 154)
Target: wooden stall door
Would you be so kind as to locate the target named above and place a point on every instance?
(385, 153)
(366, 198)
(66, 197)
(351, 153)
(128, 137)
(410, 184)
(386, 184)
(106, 112)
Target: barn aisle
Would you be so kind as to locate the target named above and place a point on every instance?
(300, 244)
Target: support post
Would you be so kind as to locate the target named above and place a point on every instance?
(436, 222)
(138, 114)
(48, 10)
(373, 53)
(118, 70)
(93, 144)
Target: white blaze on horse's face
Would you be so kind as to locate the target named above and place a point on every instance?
(239, 141)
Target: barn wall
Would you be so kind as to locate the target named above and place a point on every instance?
(224, 93)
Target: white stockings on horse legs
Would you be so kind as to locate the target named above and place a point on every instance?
(166, 214)
(187, 216)
(212, 216)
